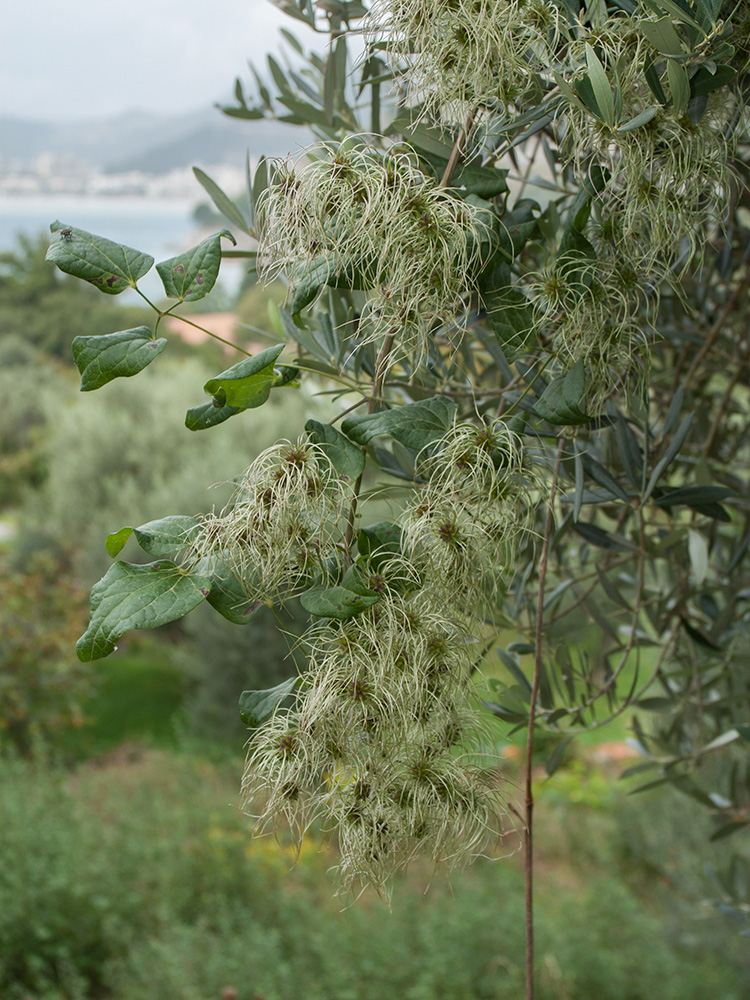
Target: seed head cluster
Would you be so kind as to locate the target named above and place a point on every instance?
(381, 745)
(383, 223)
(462, 526)
(381, 742)
(661, 187)
(667, 180)
(282, 524)
(463, 54)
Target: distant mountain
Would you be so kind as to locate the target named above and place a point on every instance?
(149, 142)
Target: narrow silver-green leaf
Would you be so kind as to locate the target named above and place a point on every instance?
(601, 86)
(679, 85)
(222, 201)
(676, 443)
(662, 35)
(114, 355)
(640, 120)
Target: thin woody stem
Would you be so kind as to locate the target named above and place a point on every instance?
(729, 307)
(528, 839)
(162, 313)
(456, 151)
(381, 370)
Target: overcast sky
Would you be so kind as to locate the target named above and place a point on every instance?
(74, 59)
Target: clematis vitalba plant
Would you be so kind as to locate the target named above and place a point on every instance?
(516, 256)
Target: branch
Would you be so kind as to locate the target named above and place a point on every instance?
(529, 794)
(381, 370)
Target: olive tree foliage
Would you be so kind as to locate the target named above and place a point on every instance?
(518, 254)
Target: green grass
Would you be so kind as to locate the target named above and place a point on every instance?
(138, 694)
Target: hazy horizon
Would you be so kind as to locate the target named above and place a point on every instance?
(79, 61)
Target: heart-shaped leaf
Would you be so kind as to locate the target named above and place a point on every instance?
(347, 459)
(112, 267)
(200, 418)
(414, 425)
(130, 596)
(115, 355)
(192, 275)
(257, 706)
(559, 404)
(336, 602)
(248, 383)
(162, 537)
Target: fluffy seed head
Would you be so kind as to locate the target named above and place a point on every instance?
(282, 523)
(379, 218)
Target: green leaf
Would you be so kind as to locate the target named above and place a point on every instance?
(130, 596)
(670, 454)
(247, 384)
(601, 86)
(729, 828)
(167, 535)
(115, 541)
(193, 274)
(162, 537)
(258, 706)
(114, 355)
(662, 36)
(229, 594)
(689, 495)
(415, 425)
(307, 280)
(379, 540)
(640, 120)
(111, 267)
(679, 85)
(698, 552)
(200, 418)
(486, 182)
(721, 741)
(628, 450)
(509, 313)
(677, 11)
(347, 459)
(597, 536)
(557, 756)
(222, 201)
(704, 83)
(653, 80)
(601, 476)
(559, 403)
(336, 602)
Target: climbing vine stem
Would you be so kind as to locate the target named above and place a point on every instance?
(528, 832)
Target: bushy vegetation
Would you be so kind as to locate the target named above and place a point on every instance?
(135, 878)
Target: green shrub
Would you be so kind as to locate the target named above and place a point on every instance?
(138, 881)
